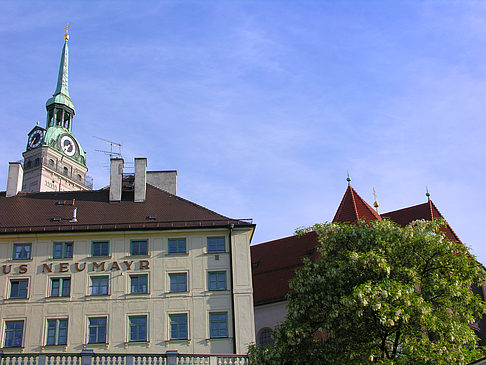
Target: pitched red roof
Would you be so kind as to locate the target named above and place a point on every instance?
(353, 208)
(427, 211)
(35, 212)
(274, 264)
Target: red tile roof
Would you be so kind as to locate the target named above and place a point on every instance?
(274, 262)
(34, 212)
(353, 208)
(427, 211)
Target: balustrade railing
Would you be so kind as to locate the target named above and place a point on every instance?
(88, 357)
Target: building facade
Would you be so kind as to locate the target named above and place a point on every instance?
(148, 272)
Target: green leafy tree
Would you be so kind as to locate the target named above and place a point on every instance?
(380, 293)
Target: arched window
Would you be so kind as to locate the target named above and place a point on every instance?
(65, 171)
(264, 337)
(79, 177)
(29, 164)
(36, 161)
(51, 162)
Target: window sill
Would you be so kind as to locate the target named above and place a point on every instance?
(61, 258)
(218, 291)
(21, 260)
(96, 345)
(139, 256)
(215, 252)
(173, 293)
(59, 298)
(182, 340)
(54, 347)
(177, 254)
(217, 338)
(18, 300)
(137, 343)
(13, 349)
(98, 297)
(99, 257)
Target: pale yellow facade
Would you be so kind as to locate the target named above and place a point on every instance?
(119, 305)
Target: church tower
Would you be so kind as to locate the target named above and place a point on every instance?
(54, 160)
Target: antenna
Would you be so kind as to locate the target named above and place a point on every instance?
(113, 145)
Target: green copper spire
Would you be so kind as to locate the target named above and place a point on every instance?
(62, 78)
(61, 95)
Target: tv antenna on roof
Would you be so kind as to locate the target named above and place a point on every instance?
(113, 153)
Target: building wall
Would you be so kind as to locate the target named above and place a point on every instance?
(119, 304)
(269, 315)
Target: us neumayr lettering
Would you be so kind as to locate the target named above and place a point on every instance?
(62, 267)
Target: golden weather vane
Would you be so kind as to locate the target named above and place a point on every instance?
(375, 204)
(66, 28)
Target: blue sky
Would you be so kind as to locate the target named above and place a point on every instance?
(263, 107)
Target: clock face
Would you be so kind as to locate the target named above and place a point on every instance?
(68, 146)
(35, 138)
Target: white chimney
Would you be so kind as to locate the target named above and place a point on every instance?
(165, 180)
(140, 179)
(116, 177)
(15, 178)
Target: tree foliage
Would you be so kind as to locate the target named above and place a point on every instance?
(380, 293)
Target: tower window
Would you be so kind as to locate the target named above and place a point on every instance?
(59, 117)
(51, 162)
(79, 177)
(29, 164)
(50, 119)
(65, 171)
(36, 161)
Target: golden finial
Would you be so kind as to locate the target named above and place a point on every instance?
(375, 204)
(66, 28)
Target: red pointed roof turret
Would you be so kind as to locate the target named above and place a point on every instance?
(354, 208)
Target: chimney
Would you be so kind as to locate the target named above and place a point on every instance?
(15, 178)
(165, 180)
(140, 179)
(116, 177)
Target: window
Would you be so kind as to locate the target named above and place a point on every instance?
(51, 162)
(65, 171)
(14, 331)
(99, 285)
(264, 338)
(218, 325)
(177, 246)
(97, 330)
(18, 288)
(139, 248)
(178, 282)
(62, 250)
(217, 280)
(21, 251)
(178, 326)
(60, 287)
(216, 244)
(100, 248)
(138, 328)
(138, 284)
(57, 332)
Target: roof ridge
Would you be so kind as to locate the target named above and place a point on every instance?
(191, 202)
(354, 202)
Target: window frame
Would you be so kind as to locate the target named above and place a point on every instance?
(217, 281)
(216, 248)
(19, 280)
(173, 316)
(213, 322)
(130, 326)
(61, 289)
(97, 327)
(15, 245)
(137, 276)
(174, 275)
(7, 332)
(64, 250)
(57, 331)
(93, 245)
(96, 277)
(176, 245)
(137, 241)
